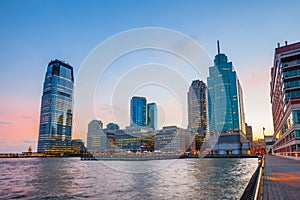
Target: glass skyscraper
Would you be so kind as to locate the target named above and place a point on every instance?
(197, 114)
(225, 107)
(56, 108)
(138, 111)
(152, 115)
(197, 119)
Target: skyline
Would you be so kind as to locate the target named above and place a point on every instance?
(36, 33)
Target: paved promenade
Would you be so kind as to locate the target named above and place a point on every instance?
(281, 178)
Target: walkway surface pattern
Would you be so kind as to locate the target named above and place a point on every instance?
(281, 178)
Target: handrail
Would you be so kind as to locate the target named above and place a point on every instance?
(259, 180)
(253, 189)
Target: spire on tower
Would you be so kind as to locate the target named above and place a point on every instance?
(218, 44)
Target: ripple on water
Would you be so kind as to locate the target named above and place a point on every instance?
(70, 178)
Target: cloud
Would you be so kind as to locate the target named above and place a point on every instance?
(5, 122)
(28, 117)
(29, 141)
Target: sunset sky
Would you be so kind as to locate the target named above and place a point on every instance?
(35, 32)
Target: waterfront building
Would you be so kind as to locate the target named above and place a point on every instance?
(135, 138)
(170, 139)
(225, 108)
(269, 143)
(77, 146)
(259, 146)
(249, 135)
(138, 111)
(109, 140)
(55, 130)
(285, 100)
(152, 115)
(95, 137)
(197, 114)
(99, 139)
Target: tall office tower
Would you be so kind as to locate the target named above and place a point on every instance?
(95, 135)
(56, 108)
(225, 107)
(152, 115)
(197, 107)
(138, 111)
(285, 99)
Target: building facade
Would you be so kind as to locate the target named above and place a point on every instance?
(249, 135)
(225, 108)
(197, 112)
(135, 138)
(285, 100)
(138, 111)
(95, 136)
(152, 115)
(55, 129)
(170, 139)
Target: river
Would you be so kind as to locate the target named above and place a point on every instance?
(71, 178)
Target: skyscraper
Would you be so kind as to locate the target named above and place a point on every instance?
(285, 99)
(225, 107)
(197, 107)
(152, 115)
(197, 115)
(138, 111)
(56, 108)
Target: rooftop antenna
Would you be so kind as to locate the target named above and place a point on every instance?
(218, 44)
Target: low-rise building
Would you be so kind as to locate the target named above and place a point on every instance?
(170, 139)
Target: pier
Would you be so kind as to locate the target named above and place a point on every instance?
(281, 178)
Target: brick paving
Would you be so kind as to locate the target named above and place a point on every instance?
(281, 178)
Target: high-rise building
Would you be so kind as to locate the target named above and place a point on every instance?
(152, 115)
(285, 99)
(225, 107)
(197, 115)
(249, 135)
(138, 111)
(95, 136)
(56, 108)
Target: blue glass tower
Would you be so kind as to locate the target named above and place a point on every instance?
(138, 111)
(152, 115)
(56, 108)
(225, 106)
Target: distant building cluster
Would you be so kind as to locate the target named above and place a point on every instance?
(215, 116)
(140, 136)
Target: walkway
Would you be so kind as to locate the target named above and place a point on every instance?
(281, 178)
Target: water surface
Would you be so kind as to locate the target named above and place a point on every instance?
(70, 178)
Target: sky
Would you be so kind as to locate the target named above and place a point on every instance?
(35, 32)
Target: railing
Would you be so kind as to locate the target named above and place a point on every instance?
(291, 154)
(253, 189)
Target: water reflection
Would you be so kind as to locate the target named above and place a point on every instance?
(69, 178)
